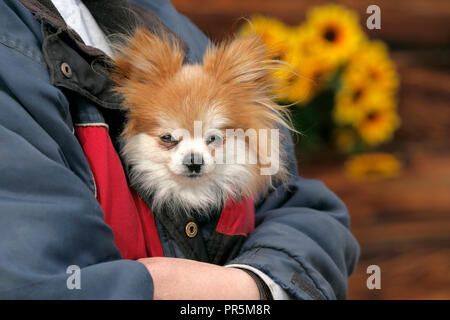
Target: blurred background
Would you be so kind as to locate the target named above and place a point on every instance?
(375, 118)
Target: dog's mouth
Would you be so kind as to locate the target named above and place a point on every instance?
(193, 175)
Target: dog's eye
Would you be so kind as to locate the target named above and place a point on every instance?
(214, 138)
(167, 138)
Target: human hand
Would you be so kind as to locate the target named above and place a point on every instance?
(178, 279)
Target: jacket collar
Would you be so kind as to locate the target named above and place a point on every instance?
(88, 64)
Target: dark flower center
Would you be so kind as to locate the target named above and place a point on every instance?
(291, 79)
(373, 116)
(373, 75)
(330, 34)
(317, 75)
(373, 172)
(278, 56)
(357, 95)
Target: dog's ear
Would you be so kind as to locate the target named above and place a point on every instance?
(146, 59)
(244, 61)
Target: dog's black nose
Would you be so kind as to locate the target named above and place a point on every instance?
(193, 162)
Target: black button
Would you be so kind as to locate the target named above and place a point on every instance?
(66, 70)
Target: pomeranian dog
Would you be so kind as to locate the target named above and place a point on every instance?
(198, 135)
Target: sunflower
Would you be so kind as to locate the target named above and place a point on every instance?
(371, 66)
(278, 38)
(378, 120)
(373, 166)
(273, 32)
(332, 30)
(348, 103)
(369, 73)
(372, 113)
(306, 76)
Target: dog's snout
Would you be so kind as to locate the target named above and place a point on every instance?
(193, 162)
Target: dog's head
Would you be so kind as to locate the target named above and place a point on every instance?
(198, 134)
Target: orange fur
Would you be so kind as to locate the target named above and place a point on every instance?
(233, 81)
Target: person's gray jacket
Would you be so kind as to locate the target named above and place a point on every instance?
(49, 216)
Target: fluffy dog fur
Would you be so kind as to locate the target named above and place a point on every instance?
(229, 90)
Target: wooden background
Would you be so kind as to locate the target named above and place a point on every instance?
(402, 225)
